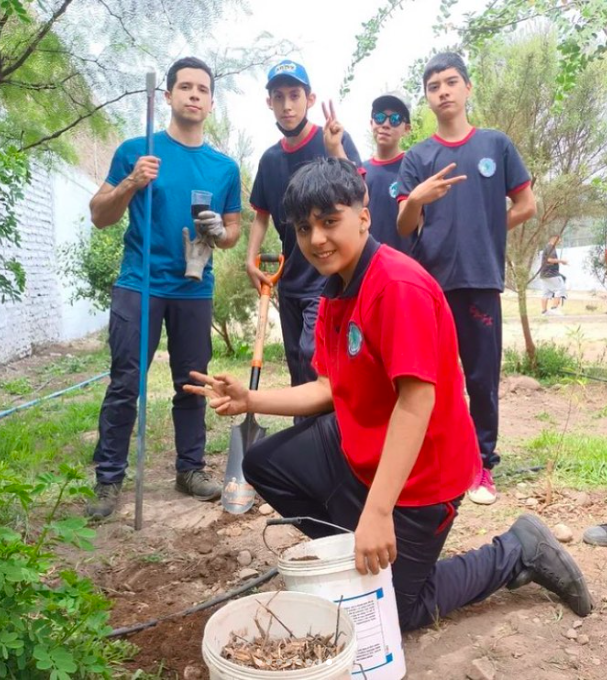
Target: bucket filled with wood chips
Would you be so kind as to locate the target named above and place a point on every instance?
(280, 635)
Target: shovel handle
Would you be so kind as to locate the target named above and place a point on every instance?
(264, 304)
(274, 259)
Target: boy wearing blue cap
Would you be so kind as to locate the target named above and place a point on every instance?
(290, 96)
(390, 122)
(461, 225)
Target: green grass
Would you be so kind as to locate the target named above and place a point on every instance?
(37, 439)
(581, 460)
(17, 387)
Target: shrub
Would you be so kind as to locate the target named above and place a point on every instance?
(552, 362)
(53, 623)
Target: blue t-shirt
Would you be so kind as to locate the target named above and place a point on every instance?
(463, 240)
(382, 183)
(276, 167)
(182, 169)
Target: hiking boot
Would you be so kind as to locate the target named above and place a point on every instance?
(105, 501)
(549, 564)
(596, 535)
(199, 484)
(483, 491)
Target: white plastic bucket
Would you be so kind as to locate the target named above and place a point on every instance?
(301, 612)
(370, 601)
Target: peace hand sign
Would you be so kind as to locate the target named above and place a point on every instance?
(435, 187)
(333, 131)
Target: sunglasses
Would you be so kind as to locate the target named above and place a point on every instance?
(395, 119)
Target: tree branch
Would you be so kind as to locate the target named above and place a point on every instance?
(31, 48)
(92, 112)
(39, 86)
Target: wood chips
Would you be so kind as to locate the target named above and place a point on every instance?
(281, 653)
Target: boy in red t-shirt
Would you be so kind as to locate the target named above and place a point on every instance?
(395, 449)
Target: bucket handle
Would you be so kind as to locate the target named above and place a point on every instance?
(296, 521)
(362, 670)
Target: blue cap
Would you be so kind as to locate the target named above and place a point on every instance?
(289, 69)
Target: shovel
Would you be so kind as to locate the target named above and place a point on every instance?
(237, 495)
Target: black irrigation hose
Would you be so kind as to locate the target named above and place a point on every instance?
(583, 375)
(519, 471)
(249, 585)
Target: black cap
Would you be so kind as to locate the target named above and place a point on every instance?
(394, 101)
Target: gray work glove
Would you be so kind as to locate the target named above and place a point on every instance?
(209, 226)
(197, 254)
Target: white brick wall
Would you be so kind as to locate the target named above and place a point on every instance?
(48, 216)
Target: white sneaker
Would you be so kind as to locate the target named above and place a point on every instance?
(556, 311)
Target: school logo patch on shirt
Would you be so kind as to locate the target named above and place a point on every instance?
(487, 167)
(394, 189)
(355, 339)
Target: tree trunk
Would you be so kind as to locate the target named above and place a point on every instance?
(224, 334)
(521, 291)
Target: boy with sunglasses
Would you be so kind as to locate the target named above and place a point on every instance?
(390, 122)
(461, 224)
(395, 448)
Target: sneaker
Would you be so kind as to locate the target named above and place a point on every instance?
(550, 565)
(105, 501)
(596, 535)
(483, 491)
(556, 311)
(199, 484)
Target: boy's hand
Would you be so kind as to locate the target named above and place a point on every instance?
(435, 187)
(333, 132)
(375, 541)
(257, 276)
(225, 394)
(145, 170)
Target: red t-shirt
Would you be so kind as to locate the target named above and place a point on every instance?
(391, 321)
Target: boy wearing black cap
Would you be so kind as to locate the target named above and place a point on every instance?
(390, 122)
(461, 225)
(290, 96)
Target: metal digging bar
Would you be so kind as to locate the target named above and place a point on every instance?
(150, 86)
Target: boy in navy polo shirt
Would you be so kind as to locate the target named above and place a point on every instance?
(395, 450)
(182, 162)
(390, 122)
(290, 97)
(461, 224)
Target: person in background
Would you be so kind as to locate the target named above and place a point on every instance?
(553, 283)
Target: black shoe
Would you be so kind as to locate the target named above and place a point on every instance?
(549, 564)
(199, 484)
(596, 535)
(105, 501)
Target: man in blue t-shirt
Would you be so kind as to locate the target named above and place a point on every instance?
(182, 162)
(290, 96)
(461, 224)
(390, 122)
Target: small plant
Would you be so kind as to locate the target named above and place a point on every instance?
(16, 387)
(53, 623)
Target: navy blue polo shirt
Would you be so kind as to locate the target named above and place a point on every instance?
(382, 183)
(463, 240)
(276, 167)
